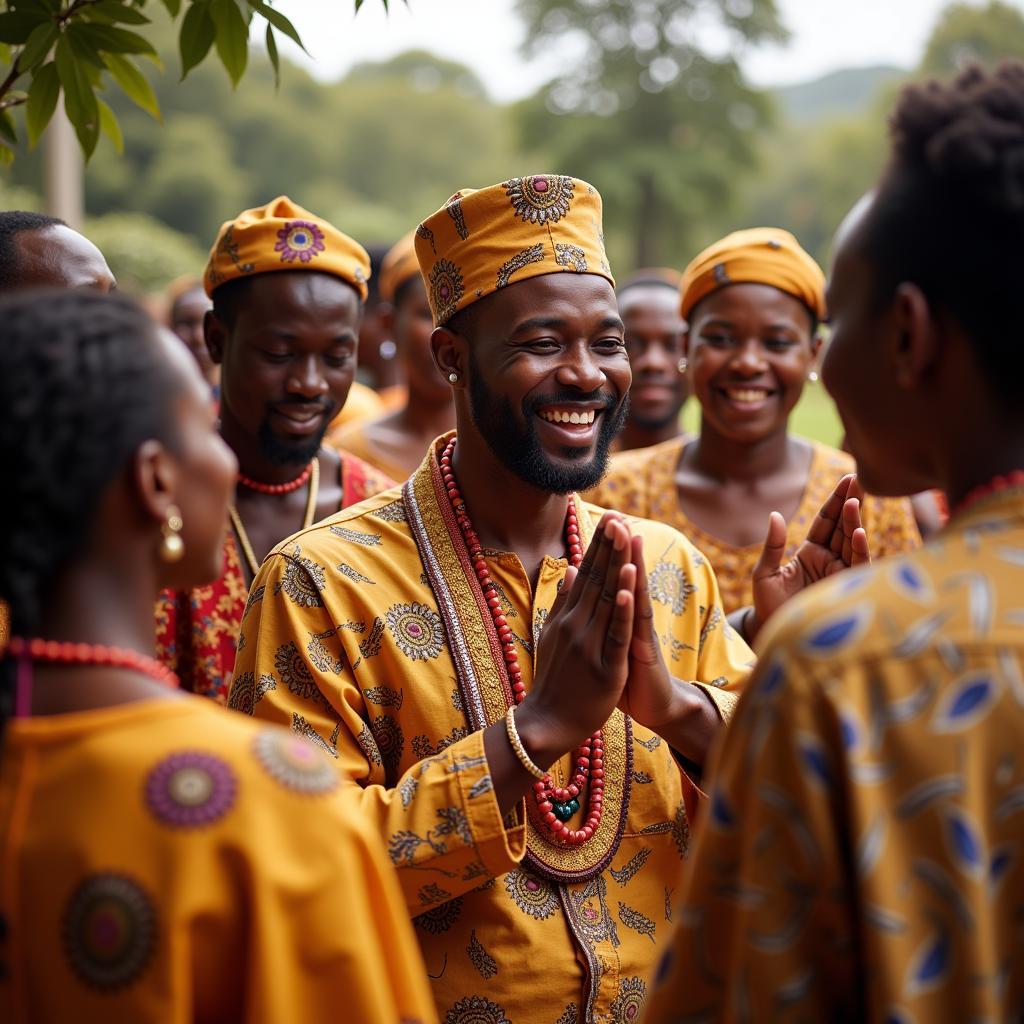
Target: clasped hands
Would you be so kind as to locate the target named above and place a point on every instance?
(600, 649)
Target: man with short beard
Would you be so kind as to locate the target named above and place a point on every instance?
(287, 290)
(527, 750)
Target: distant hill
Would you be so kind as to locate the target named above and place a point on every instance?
(840, 92)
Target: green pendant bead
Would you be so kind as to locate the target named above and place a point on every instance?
(563, 812)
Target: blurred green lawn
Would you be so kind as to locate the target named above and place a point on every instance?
(815, 416)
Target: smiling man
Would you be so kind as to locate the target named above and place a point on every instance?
(522, 746)
(287, 290)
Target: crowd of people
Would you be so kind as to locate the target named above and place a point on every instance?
(377, 646)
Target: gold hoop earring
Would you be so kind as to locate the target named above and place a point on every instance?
(172, 547)
(682, 366)
(453, 378)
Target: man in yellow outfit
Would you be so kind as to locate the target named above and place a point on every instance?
(528, 751)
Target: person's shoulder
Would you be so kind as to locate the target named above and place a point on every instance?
(364, 524)
(369, 479)
(826, 459)
(893, 607)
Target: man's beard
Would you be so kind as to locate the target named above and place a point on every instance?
(520, 450)
(289, 453)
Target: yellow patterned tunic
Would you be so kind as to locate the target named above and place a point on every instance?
(167, 861)
(642, 483)
(874, 870)
(372, 645)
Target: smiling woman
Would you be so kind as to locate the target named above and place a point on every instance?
(753, 302)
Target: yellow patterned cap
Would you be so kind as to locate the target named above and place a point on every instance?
(484, 239)
(284, 236)
(755, 256)
(398, 265)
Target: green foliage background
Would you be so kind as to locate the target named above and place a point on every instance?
(682, 150)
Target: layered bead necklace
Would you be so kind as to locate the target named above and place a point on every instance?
(556, 804)
(310, 473)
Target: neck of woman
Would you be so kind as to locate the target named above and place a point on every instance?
(723, 458)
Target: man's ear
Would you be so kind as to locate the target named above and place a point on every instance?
(216, 335)
(451, 355)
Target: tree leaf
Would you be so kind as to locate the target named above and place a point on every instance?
(17, 26)
(117, 13)
(272, 53)
(42, 100)
(278, 20)
(7, 127)
(79, 99)
(112, 39)
(37, 46)
(6, 156)
(173, 7)
(232, 37)
(197, 35)
(109, 126)
(133, 82)
(83, 48)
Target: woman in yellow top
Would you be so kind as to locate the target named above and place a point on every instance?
(753, 302)
(161, 859)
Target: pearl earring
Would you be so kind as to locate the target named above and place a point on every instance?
(682, 365)
(813, 376)
(453, 378)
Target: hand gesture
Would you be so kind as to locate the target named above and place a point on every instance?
(583, 656)
(835, 541)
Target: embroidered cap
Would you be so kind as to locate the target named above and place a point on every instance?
(283, 236)
(485, 239)
(755, 256)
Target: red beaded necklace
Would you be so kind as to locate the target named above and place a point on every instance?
(1015, 478)
(555, 803)
(69, 653)
(292, 485)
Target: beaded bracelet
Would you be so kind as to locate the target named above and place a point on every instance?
(517, 746)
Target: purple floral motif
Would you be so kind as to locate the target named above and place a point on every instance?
(294, 762)
(190, 789)
(299, 240)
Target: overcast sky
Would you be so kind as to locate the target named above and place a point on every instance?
(826, 34)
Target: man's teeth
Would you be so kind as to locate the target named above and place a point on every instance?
(746, 394)
(560, 416)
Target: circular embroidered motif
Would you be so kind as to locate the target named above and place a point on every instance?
(441, 918)
(532, 895)
(446, 289)
(669, 585)
(109, 931)
(630, 1000)
(417, 630)
(294, 762)
(540, 198)
(303, 587)
(476, 1010)
(299, 240)
(190, 789)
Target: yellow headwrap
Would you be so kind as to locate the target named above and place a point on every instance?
(755, 256)
(283, 236)
(398, 265)
(484, 239)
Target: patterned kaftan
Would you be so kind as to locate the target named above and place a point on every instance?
(863, 854)
(357, 642)
(642, 483)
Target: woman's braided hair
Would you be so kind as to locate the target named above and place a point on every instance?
(82, 385)
(949, 211)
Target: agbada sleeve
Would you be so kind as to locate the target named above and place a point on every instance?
(329, 937)
(440, 823)
(765, 921)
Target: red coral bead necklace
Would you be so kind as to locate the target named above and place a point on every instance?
(556, 804)
(1012, 480)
